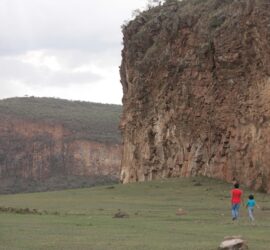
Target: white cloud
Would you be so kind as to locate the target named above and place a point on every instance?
(63, 48)
(41, 68)
(40, 58)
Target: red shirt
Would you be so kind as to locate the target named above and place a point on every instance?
(236, 195)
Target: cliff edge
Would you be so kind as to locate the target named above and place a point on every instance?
(196, 82)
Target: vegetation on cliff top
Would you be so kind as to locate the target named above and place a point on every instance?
(94, 121)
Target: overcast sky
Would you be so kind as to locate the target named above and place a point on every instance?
(68, 49)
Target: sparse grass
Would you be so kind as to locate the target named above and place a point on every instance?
(84, 218)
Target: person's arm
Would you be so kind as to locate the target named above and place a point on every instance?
(257, 206)
(232, 197)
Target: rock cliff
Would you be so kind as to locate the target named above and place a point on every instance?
(33, 149)
(196, 82)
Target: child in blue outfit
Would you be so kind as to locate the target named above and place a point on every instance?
(251, 203)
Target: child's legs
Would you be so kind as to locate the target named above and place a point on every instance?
(250, 213)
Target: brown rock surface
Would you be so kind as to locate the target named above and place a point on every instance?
(40, 150)
(196, 81)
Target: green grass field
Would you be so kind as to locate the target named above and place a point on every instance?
(83, 218)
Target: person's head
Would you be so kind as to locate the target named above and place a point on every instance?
(251, 197)
(234, 181)
(236, 185)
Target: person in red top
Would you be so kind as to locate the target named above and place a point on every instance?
(236, 194)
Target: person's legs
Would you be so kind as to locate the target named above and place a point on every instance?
(250, 214)
(237, 207)
(235, 211)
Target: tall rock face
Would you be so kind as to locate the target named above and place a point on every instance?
(196, 81)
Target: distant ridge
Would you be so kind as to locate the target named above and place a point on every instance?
(94, 121)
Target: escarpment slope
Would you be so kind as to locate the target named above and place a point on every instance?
(196, 81)
(48, 143)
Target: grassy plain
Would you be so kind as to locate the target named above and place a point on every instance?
(83, 218)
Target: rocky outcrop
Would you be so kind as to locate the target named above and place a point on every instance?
(233, 243)
(196, 81)
(41, 150)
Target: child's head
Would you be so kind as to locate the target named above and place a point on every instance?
(251, 197)
(236, 185)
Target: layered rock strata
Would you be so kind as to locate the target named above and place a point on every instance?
(196, 82)
(40, 150)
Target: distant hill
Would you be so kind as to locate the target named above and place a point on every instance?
(49, 144)
(93, 121)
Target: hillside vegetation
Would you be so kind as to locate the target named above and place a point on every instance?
(95, 121)
(83, 218)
